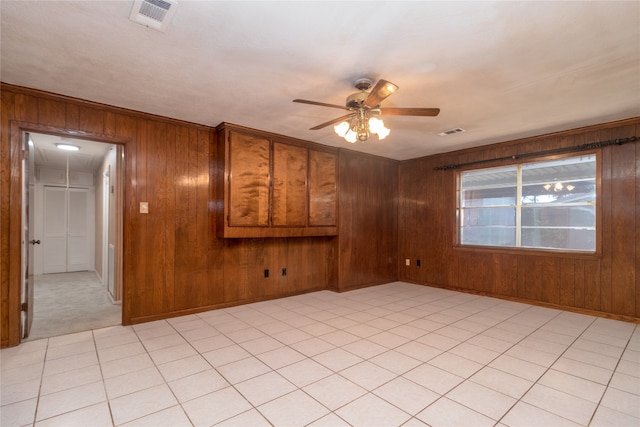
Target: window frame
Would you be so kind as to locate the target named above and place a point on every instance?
(596, 253)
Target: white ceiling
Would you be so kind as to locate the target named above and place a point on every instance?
(500, 70)
(88, 159)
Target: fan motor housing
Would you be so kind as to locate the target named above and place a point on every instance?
(355, 100)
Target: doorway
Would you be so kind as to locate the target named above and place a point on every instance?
(74, 197)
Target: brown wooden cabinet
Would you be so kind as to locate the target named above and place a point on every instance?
(274, 186)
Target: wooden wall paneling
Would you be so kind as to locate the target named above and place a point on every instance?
(447, 219)
(72, 116)
(506, 277)
(603, 282)
(414, 222)
(551, 279)
(310, 262)
(566, 282)
(138, 292)
(484, 271)
(7, 105)
(277, 257)
(367, 220)
(624, 223)
(527, 276)
(92, 120)
(637, 238)
(127, 127)
(423, 215)
(161, 194)
(389, 237)
(406, 219)
(607, 208)
(212, 270)
(213, 194)
(419, 191)
(243, 269)
(26, 108)
(51, 113)
(592, 281)
(579, 282)
(538, 278)
(110, 126)
(477, 273)
(191, 238)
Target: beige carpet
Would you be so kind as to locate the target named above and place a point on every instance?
(71, 302)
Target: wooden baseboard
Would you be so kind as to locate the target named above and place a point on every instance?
(162, 316)
(578, 310)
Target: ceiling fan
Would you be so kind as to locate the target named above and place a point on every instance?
(363, 106)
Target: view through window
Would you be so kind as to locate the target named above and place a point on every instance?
(545, 204)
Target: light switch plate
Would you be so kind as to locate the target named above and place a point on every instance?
(144, 207)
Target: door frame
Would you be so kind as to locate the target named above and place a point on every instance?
(17, 129)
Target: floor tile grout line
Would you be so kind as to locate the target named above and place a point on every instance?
(599, 403)
(313, 382)
(447, 351)
(44, 362)
(166, 383)
(484, 365)
(104, 383)
(545, 372)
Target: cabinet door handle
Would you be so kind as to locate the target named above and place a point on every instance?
(35, 242)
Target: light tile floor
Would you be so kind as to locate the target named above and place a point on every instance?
(390, 355)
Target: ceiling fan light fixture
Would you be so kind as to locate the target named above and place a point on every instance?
(341, 129)
(362, 107)
(377, 127)
(351, 136)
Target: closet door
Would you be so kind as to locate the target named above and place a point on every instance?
(78, 230)
(66, 230)
(55, 230)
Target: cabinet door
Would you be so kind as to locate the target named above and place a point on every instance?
(322, 188)
(248, 181)
(289, 200)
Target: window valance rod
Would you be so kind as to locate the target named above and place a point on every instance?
(575, 148)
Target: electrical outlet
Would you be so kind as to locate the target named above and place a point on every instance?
(407, 262)
(144, 207)
(266, 273)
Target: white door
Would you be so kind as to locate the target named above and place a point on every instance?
(28, 240)
(78, 230)
(54, 246)
(66, 230)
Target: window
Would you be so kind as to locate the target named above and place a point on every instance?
(544, 205)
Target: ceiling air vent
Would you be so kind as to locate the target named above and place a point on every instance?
(154, 14)
(451, 131)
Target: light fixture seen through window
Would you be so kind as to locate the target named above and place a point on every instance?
(558, 186)
(67, 147)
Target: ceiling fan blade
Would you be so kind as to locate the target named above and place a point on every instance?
(334, 121)
(322, 104)
(410, 111)
(380, 91)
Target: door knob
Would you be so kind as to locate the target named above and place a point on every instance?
(35, 242)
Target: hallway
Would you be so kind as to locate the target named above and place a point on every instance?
(65, 303)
